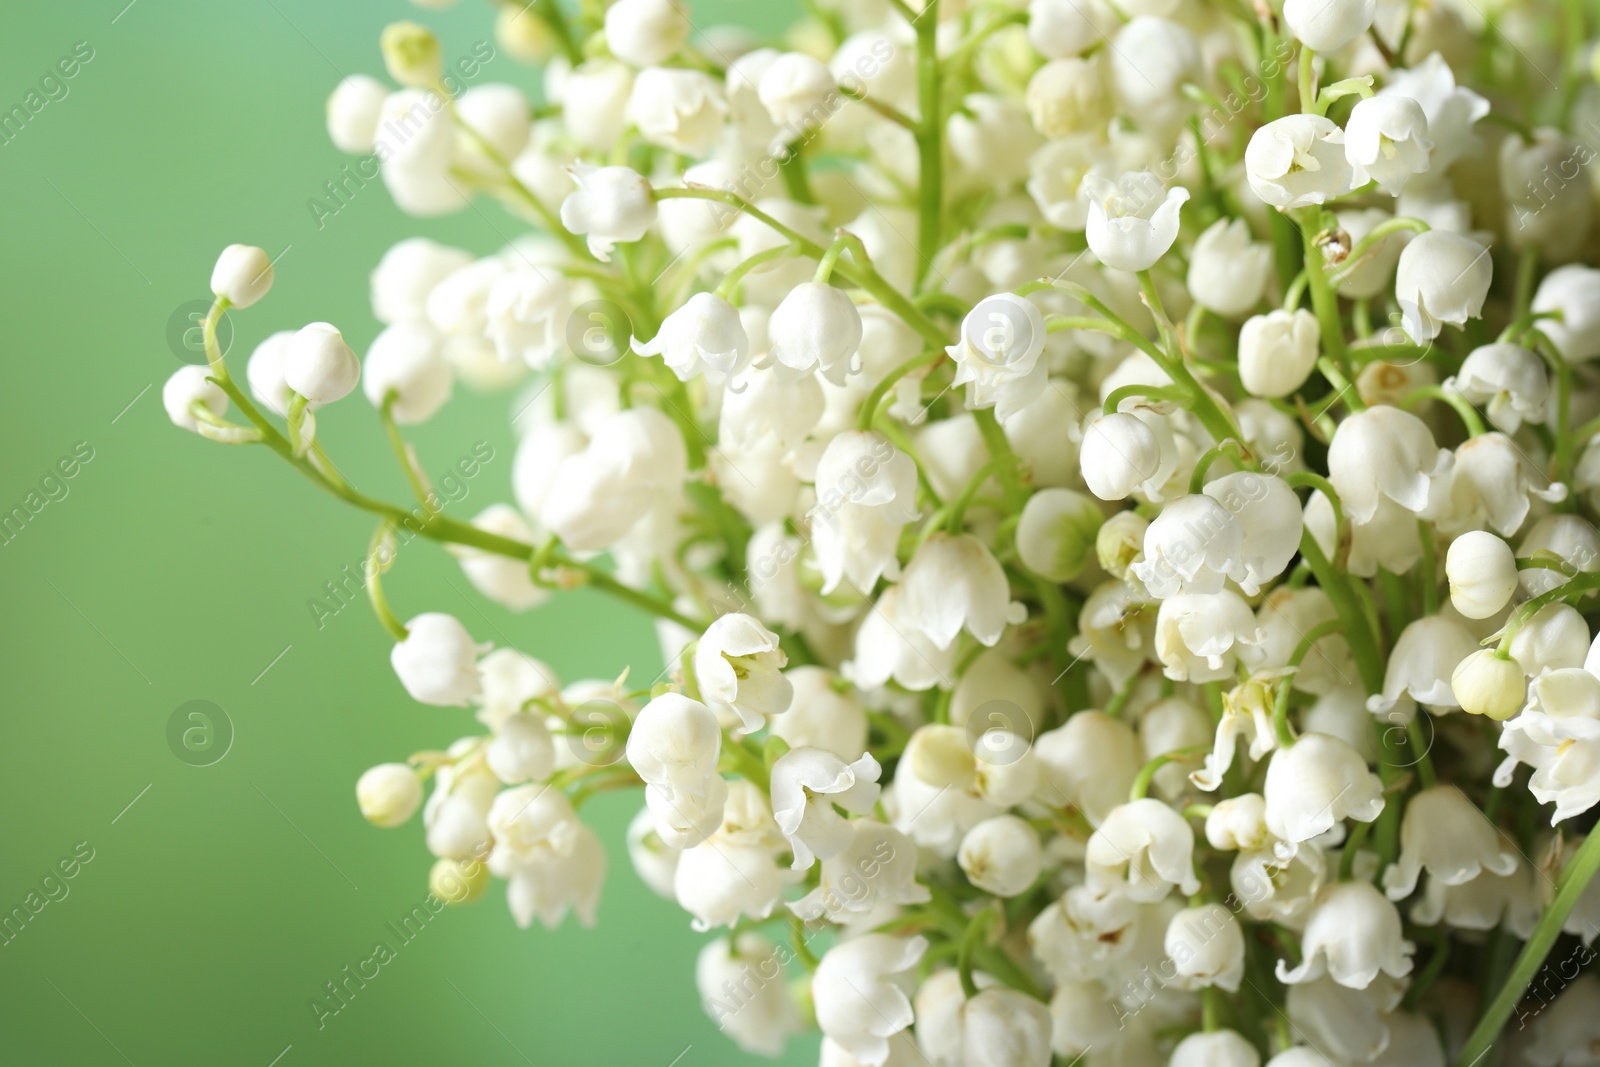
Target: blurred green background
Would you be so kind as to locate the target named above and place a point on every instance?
(220, 899)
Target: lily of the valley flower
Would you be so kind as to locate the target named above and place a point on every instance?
(807, 783)
(1132, 221)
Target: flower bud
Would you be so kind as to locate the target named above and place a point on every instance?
(1004, 1028)
(797, 91)
(242, 276)
(188, 386)
(1482, 571)
(1120, 541)
(411, 52)
(1227, 270)
(1277, 351)
(389, 794)
(406, 362)
(352, 112)
(1056, 533)
(646, 33)
(817, 327)
(1001, 855)
(1067, 96)
(319, 366)
(1206, 947)
(1238, 824)
(1328, 25)
(1215, 1048)
(1120, 454)
(1485, 684)
(458, 881)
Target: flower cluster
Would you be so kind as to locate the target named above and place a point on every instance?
(1110, 482)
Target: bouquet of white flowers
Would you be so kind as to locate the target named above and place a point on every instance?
(1109, 614)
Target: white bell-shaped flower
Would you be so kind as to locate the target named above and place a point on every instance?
(528, 312)
(1343, 1025)
(807, 785)
(407, 273)
(1491, 481)
(1001, 855)
(735, 873)
(741, 988)
(1287, 615)
(647, 32)
(1420, 666)
(680, 110)
(1151, 59)
(1451, 110)
(1555, 637)
(594, 101)
(1446, 835)
(1132, 221)
(1146, 848)
(613, 205)
(1328, 25)
(1084, 933)
(1482, 572)
(1056, 535)
(705, 333)
(1246, 716)
(1386, 137)
(1206, 947)
(816, 327)
(1486, 901)
(798, 92)
(1122, 453)
(1228, 269)
(1200, 637)
(878, 869)
(1063, 28)
(825, 713)
(1314, 784)
(1353, 935)
(1238, 824)
(1069, 96)
(1569, 538)
(550, 884)
(997, 356)
(866, 492)
(1215, 1048)
(858, 1004)
(635, 461)
(1574, 291)
(1297, 161)
(673, 745)
(1272, 889)
(1441, 278)
(522, 749)
(437, 661)
(1089, 762)
(1002, 1027)
(739, 668)
(1269, 515)
(654, 861)
(953, 582)
(1193, 546)
(406, 361)
(1278, 351)
(888, 648)
(1508, 381)
(1558, 735)
(1384, 452)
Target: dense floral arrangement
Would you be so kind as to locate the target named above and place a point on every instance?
(1111, 477)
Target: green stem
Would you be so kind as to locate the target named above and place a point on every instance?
(1147, 773)
(1574, 879)
(1469, 415)
(1280, 709)
(402, 452)
(1174, 393)
(869, 407)
(378, 553)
